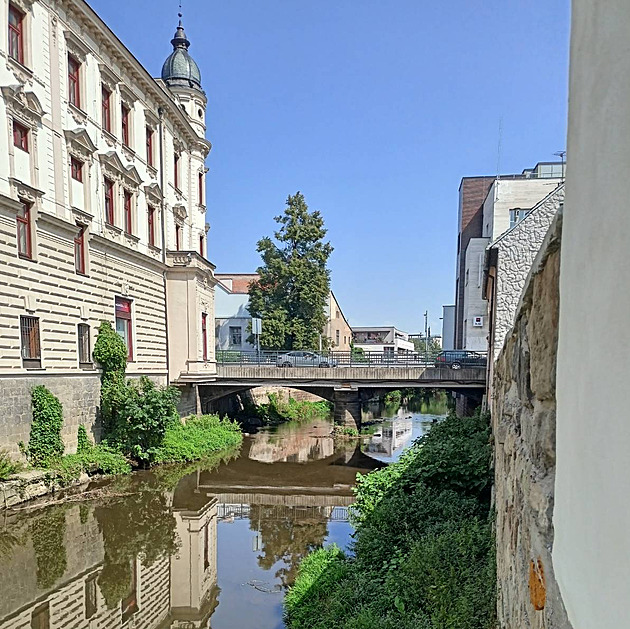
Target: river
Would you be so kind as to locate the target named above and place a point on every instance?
(191, 548)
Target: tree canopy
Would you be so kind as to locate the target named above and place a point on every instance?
(290, 294)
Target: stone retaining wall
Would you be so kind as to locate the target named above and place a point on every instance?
(524, 425)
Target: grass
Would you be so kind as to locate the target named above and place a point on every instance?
(91, 460)
(280, 410)
(199, 437)
(8, 467)
(423, 551)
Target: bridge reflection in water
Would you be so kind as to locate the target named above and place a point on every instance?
(149, 555)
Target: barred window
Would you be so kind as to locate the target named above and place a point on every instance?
(31, 347)
(83, 337)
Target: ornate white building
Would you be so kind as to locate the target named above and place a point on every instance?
(102, 212)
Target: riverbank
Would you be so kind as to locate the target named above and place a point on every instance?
(185, 441)
(424, 555)
(279, 410)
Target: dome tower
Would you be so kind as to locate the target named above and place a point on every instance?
(181, 74)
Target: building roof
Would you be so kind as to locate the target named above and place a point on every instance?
(180, 69)
(237, 282)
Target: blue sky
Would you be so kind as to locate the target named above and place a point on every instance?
(375, 110)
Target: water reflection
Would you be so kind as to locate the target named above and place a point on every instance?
(215, 547)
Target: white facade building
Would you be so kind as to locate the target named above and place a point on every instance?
(232, 318)
(382, 340)
(102, 211)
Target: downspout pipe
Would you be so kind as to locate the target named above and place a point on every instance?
(163, 229)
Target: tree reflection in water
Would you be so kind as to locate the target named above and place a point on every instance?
(288, 539)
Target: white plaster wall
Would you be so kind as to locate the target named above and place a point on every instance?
(592, 499)
(448, 327)
(508, 194)
(517, 250)
(475, 338)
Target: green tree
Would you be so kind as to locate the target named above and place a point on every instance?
(290, 295)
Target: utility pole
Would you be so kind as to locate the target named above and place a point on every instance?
(426, 333)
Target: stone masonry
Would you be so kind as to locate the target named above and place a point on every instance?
(524, 421)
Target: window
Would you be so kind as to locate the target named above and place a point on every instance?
(20, 136)
(79, 251)
(105, 109)
(124, 117)
(204, 335)
(123, 324)
(337, 336)
(201, 243)
(128, 217)
(151, 225)
(25, 249)
(517, 215)
(74, 92)
(176, 170)
(16, 34)
(149, 146)
(83, 338)
(235, 336)
(76, 169)
(40, 618)
(200, 188)
(90, 597)
(337, 314)
(178, 237)
(108, 184)
(31, 348)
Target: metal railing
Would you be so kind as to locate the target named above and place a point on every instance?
(284, 358)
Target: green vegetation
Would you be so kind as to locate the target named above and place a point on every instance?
(345, 431)
(48, 534)
(392, 398)
(45, 443)
(423, 549)
(197, 438)
(8, 467)
(279, 410)
(294, 283)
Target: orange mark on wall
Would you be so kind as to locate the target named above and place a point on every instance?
(537, 588)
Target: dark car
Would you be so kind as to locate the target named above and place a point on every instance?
(459, 358)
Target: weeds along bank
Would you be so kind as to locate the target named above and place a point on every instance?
(141, 426)
(424, 555)
(280, 410)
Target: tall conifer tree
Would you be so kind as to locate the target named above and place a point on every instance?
(294, 283)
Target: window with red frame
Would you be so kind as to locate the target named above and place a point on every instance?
(76, 169)
(108, 185)
(176, 170)
(151, 225)
(74, 86)
(106, 113)
(149, 146)
(20, 136)
(204, 335)
(31, 347)
(79, 251)
(16, 34)
(200, 188)
(124, 117)
(178, 237)
(201, 243)
(128, 214)
(25, 249)
(123, 324)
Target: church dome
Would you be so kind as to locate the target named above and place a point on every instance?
(180, 69)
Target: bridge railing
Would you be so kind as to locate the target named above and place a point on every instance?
(455, 359)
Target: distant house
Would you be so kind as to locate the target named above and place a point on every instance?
(232, 318)
(382, 339)
(337, 328)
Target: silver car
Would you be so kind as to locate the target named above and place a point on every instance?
(301, 358)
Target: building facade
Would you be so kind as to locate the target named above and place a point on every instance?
(233, 321)
(337, 330)
(382, 340)
(488, 207)
(102, 211)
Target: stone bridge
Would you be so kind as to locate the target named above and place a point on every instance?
(346, 386)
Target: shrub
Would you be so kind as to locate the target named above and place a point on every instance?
(110, 352)
(278, 410)
(138, 414)
(83, 443)
(393, 397)
(7, 466)
(197, 438)
(97, 459)
(45, 443)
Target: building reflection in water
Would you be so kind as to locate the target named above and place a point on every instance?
(391, 436)
(146, 557)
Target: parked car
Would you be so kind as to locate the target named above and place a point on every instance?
(299, 358)
(460, 358)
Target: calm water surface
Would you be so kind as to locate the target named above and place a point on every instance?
(214, 546)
